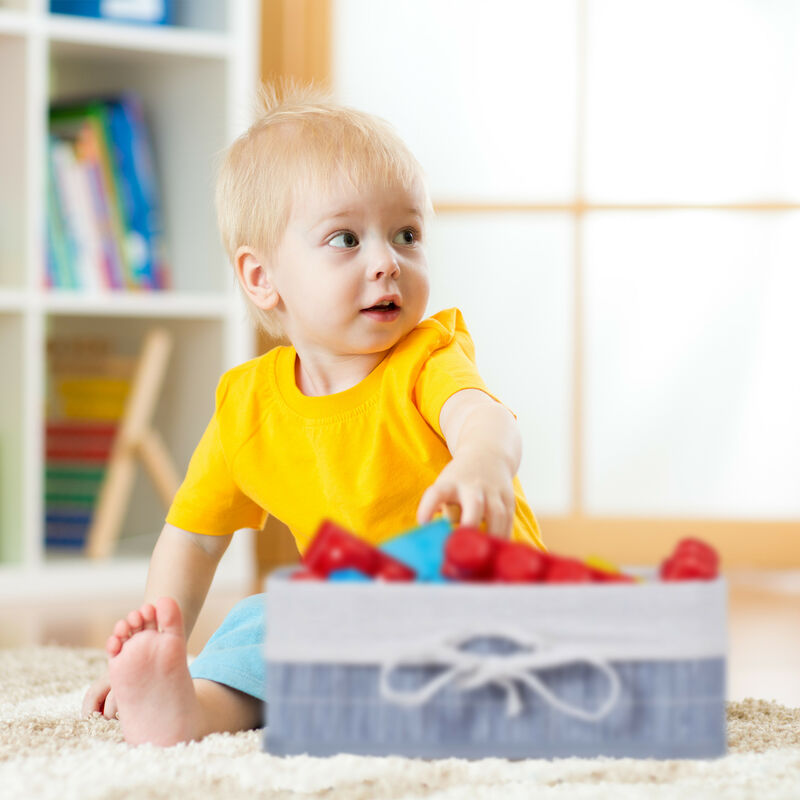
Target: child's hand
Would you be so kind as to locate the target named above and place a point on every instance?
(481, 485)
(99, 697)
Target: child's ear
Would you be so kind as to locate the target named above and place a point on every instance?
(254, 275)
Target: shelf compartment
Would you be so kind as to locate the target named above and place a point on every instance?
(15, 136)
(187, 132)
(70, 34)
(11, 432)
(183, 411)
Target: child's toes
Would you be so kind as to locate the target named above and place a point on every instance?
(135, 621)
(122, 630)
(113, 645)
(148, 613)
(169, 617)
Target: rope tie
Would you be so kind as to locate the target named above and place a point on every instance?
(467, 671)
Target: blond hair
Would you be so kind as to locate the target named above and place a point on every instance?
(301, 138)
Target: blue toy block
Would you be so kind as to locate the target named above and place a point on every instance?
(422, 549)
(351, 575)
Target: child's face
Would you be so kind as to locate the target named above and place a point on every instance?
(344, 255)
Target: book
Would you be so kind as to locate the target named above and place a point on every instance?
(106, 196)
(136, 178)
(66, 245)
(82, 230)
(142, 12)
(59, 258)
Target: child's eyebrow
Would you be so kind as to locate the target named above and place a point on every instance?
(328, 218)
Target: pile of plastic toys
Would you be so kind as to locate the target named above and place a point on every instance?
(437, 552)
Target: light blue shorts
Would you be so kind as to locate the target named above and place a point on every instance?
(234, 655)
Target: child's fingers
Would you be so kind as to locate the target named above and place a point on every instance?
(435, 496)
(473, 505)
(499, 519)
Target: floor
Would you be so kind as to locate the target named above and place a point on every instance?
(764, 629)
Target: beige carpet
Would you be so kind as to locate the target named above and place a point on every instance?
(48, 751)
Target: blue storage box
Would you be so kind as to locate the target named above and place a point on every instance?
(496, 670)
(145, 12)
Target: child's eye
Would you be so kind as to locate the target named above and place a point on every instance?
(344, 240)
(406, 236)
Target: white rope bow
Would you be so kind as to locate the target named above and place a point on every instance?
(472, 670)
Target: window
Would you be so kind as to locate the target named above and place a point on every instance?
(617, 187)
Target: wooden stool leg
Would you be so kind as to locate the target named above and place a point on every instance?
(111, 503)
(134, 436)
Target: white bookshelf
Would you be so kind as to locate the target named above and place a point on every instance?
(197, 81)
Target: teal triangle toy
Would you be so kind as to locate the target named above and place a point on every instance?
(422, 549)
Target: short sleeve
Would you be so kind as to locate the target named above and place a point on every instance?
(209, 500)
(448, 370)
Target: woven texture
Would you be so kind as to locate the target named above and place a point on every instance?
(666, 709)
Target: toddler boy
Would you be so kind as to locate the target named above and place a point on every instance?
(372, 417)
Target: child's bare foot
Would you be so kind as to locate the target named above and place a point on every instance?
(150, 678)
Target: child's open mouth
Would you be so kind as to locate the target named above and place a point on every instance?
(383, 312)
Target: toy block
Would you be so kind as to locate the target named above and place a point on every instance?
(349, 574)
(335, 549)
(421, 548)
(692, 559)
(519, 563)
(469, 554)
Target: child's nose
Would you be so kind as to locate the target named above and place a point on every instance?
(383, 261)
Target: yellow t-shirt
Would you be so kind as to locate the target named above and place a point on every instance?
(362, 457)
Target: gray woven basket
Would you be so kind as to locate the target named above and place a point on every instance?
(332, 662)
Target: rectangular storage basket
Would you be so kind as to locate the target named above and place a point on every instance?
(491, 670)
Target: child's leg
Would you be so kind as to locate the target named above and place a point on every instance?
(157, 699)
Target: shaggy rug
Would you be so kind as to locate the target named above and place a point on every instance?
(48, 751)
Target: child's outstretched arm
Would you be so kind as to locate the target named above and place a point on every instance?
(182, 567)
(486, 445)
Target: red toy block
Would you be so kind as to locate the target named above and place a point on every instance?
(468, 553)
(453, 573)
(305, 575)
(393, 570)
(699, 550)
(568, 570)
(519, 563)
(692, 559)
(686, 568)
(334, 548)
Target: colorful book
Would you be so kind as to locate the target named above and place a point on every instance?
(113, 209)
(111, 263)
(80, 220)
(59, 256)
(139, 191)
(64, 228)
